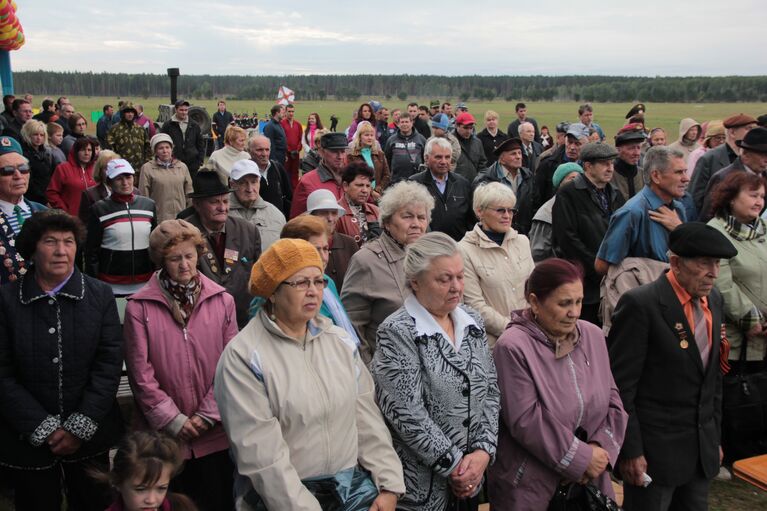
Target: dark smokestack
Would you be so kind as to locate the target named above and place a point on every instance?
(173, 74)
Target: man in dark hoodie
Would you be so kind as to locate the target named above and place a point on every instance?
(404, 150)
(188, 143)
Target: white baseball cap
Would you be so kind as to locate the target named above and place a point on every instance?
(243, 168)
(117, 167)
(323, 199)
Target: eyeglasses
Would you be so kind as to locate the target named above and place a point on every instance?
(10, 170)
(303, 284)
(501, 211)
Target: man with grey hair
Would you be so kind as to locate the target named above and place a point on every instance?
(641, 227)
(274, 185)
(531, 150)
(452, 213)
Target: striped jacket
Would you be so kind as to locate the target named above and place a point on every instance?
(117, 248)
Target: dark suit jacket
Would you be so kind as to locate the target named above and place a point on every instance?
(244, 242)
(674, 405)
(704, 213)
(707, 165)
(341, 251)
(529, 162)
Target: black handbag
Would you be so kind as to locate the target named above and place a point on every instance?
(581, 497)
(744, 410)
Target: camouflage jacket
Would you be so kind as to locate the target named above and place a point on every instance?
(130, 141)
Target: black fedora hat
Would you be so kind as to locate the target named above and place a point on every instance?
(508, 145)
(755, 140)
(207, 184)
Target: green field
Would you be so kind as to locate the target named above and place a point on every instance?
(611, 116)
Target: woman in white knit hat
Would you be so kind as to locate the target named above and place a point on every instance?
(164, 179)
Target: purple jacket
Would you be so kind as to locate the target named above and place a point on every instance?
(543, 401)
(171, 368)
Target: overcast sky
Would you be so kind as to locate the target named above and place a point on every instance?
(550, 37)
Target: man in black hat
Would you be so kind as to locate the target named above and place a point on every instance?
(232, 245)
(508, 170)
(327, 175)
(188, 143)
(580, 217)
(628, 178)
(664, 350)
(753, 158)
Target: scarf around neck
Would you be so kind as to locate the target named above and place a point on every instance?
(744, 232)
(183, 296)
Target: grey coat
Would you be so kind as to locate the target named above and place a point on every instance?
(439, 403)
(707, 165)
(380, 261)
(472, 159)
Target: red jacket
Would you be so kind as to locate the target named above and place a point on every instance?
(68, 183)
(348, 223)
(293, 134)
(317, 179)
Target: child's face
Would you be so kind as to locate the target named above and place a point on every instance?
(139, 497)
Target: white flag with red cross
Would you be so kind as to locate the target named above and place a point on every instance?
(285, 96)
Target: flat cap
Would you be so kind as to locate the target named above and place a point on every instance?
(578, 130)
(696, 239)
(630, 133)
(333, 140)
(595, 151)
(738, 120)
(508, 145)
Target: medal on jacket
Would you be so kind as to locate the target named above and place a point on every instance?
(683, 343)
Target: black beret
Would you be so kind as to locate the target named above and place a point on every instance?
(696, 239)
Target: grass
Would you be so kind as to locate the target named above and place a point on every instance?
(611, 116)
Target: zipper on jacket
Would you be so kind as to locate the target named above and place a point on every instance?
(186, 337)
(326, 406)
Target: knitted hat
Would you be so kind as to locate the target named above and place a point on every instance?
(160, 137)
(167, 233)
(563, 171)
(281, 260)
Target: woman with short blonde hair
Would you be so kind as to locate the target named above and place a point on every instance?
(34, 143)
(365, 148)
(234, 150)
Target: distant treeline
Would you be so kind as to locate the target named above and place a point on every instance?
(352, 87)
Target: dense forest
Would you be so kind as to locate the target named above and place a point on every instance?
(313, 87)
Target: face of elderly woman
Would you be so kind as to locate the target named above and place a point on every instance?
(54, 255)
(181, 262)
(440, 288)
(163, 151)
(748, 204)
(408, 224)
(558, 313)
(497, 217)
(122, 184)
(294, 305)
(321, 244)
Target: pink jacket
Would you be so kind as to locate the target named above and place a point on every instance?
(171, 368)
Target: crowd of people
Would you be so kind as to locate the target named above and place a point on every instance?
(405, 315)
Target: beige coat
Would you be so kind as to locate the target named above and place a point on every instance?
(222, 161)
(168, 188)
(263, 215)
(295, 409)
(379, 262)
(494, 277)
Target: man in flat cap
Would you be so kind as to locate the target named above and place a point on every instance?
(736, 127)
(327, 175)
(510, 171)
(543, 189)
(640, 228)
(628, 173)
(581, 215)
(753, 159)
(664, 350)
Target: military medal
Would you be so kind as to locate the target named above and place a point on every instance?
(684, 344)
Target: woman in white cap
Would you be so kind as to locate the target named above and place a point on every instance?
(298, 403)
(323, 203)
(117, 247)
(164, 179)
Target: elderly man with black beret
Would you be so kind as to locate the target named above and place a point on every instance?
(581, 215)
(665, 356)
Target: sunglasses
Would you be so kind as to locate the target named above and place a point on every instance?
(10, 170)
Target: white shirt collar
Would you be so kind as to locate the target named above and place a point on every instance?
(7, 207)
(425, 324)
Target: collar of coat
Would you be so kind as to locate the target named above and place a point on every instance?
(30, 291)
(425, 324)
